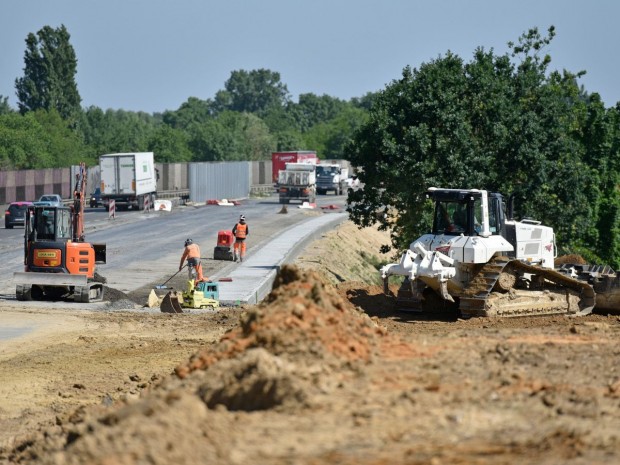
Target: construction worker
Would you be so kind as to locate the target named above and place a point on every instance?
(192, 254)
(240, 231)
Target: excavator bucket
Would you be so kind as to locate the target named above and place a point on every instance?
(171, 303)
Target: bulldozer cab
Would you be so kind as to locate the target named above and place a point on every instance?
(467, 212)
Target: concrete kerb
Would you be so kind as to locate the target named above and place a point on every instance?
(252, 281)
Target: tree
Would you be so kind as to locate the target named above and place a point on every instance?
(312, 109)
(22, 144)
(331, 137)
(64, 145)
(231, 136)
(170, 145)
(503, 123)
(253, 91)
(49, 74)
(5, 108)
(116, 130)
(192, 111)
(38, 139)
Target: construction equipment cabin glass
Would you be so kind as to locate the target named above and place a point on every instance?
(458, 212)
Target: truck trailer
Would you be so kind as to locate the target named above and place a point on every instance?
(130, 179)
(280, 159)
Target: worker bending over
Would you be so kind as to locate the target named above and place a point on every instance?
(192, 254)
(240, 231)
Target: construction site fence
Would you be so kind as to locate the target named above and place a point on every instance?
(195, 182)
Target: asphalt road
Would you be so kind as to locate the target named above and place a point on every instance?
(144, 249)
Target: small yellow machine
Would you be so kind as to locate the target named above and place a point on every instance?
(203, 295)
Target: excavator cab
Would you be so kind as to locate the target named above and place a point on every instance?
(48, 224)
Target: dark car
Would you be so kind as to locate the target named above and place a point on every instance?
(15, 215)
(95, 198)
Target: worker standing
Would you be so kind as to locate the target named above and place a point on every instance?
(192, 254)
(240, 231)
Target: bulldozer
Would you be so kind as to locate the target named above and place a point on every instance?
(197, 295)
(481, 261)
(58, 262)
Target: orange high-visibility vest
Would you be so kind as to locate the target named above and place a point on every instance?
(241, 231)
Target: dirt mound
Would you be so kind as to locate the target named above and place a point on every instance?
(117, 300)
(572, 259)
(256, 380)
(300, 317)
(284, 355)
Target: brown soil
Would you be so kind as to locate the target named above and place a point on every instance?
(318, 373)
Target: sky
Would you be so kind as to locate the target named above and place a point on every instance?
(152, 55)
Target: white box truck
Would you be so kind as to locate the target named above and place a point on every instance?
(130, 179)
(297, 182)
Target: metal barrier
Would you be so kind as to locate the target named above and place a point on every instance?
(180, 193)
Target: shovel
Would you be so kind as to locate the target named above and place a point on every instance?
(163, 286)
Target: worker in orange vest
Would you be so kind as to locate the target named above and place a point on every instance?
(192, 254)
(240, 231)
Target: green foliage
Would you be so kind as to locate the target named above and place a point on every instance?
(63, 144)
(49, 74)
(329, 138)
(21, 142)
(116, 131)
(312, 110)
(231, 136)
(5, 108)
(193, 111)
(502, 123)
(170, 145)
(253, 91)
(36, 140)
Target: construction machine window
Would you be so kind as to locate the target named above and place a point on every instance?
(54, 224)
(63, 224)
(450, 218)
(454, 218)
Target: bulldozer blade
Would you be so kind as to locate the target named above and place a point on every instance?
(170, 303)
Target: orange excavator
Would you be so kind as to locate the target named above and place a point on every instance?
(59, 263)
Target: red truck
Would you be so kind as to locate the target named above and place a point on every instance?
(280, 159)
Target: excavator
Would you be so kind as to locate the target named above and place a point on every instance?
(481, 261)
(58, 262)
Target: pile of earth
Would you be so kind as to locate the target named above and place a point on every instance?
(286, 356)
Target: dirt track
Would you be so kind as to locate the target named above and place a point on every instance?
(318, 374)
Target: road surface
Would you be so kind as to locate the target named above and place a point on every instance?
(144, 248)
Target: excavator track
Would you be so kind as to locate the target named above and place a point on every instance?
(548, 292)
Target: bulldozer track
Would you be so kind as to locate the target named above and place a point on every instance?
(550, 293)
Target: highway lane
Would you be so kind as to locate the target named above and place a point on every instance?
(145, 248)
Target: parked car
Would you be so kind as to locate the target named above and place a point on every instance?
(95, 198)
(49, 200)
(15, 214)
